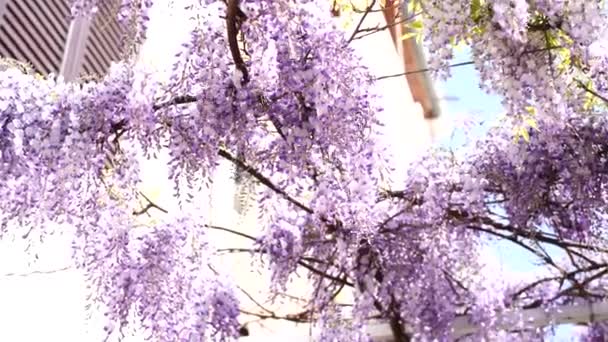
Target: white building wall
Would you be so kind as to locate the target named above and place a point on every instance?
(50, 307)
(406, 134)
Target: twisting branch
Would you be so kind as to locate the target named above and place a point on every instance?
(234, 18)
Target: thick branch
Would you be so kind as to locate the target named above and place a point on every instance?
(234, 19)
(539, 236)
(178, 100)
(297, 318)
(263, 179)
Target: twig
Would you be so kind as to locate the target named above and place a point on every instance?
(297, 318)
(149, 206)
(592, 92)
(457, 64)
(232, 231)
(423, 70)
(378, 28)
(367, 10)
(248, 295)
(538, 236)
(13, 274)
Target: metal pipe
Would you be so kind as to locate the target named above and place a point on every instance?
(73, 55)
(421, 84)
(3, 4)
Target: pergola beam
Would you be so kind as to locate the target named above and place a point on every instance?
(511, 320)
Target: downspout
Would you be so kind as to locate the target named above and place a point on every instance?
(75, 46)
(421, 86)
(3, 4)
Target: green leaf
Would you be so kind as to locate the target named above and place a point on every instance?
(477, 30)
(551, 39)
(477, 10)
(417, 25)
(523, 131)
(412, 6)
(532, 123)
(531, 110)
(410, 35)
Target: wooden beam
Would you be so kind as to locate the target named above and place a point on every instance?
(420, 84)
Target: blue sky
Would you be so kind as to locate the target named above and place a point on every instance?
(465, 99)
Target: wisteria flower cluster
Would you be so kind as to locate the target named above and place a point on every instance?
(533, 54)
(273, 87)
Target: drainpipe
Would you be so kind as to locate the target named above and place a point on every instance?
(3, 4)
(420, 83)
(73, 55)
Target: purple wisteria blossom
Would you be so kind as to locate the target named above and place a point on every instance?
(274, 87)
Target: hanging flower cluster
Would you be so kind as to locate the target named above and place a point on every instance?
(274, 88)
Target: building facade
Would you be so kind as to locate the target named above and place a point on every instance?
(43, 34)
